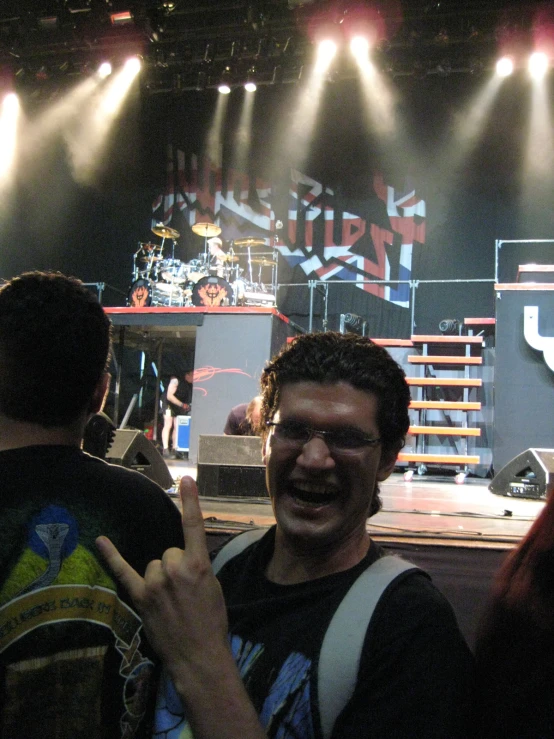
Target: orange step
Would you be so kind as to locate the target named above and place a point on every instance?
(479, 321)
(445, 430)
(445, 381)
(449, 405)
(393, 342)
(428, 359)
(440, 339)
(439, 458)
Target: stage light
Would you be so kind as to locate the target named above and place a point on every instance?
(537, 65)
(104, 70)
(326, 51)
(250, 85)
(121, 19)
(351, 322)
(359, 46)
(9, 115)
(133, 65)
(504, 66)
(449, 326)
(224, 86)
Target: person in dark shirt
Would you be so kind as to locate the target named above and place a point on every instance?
(241, 651)
(74, 659)
(176, 402)
(244, 419)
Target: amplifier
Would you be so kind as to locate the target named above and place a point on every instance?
(230, 466)
(252, 298)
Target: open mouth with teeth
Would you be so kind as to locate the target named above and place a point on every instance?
(313, 495)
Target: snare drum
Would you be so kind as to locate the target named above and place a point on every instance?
(140, 294)
(212, 291)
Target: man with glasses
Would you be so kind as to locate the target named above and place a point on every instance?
(335, 412)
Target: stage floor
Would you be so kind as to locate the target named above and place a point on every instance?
(425, 509)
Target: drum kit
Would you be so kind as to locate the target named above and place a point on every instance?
(165, 281)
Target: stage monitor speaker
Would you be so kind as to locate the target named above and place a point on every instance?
(131, 449)
(230, 466)
(529, 475)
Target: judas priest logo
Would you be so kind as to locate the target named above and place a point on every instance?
(216, 292)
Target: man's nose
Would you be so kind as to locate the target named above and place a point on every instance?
(315, 454)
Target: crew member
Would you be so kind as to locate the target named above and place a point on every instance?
(244, 419)
(176, 402)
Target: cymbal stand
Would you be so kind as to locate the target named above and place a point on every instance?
(135, 267)
(274, 271)
(250, 267)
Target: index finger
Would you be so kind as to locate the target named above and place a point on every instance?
(127, 576)
(193, 520)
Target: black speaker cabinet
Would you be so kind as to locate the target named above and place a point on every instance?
(529, 475)
(230, 466)
(131, 449)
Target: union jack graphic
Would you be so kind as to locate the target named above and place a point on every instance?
(326, 242)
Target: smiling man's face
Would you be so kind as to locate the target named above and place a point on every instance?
(320, 498)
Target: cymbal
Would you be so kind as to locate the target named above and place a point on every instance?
(231, 258)
(165, 232)
(150, 259)
(249, 242)
(206, 229)
(264, 262)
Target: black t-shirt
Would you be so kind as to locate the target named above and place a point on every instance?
(183, 393)
(74, 661)
(236, 424)
(416, 672)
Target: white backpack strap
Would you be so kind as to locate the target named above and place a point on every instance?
(339, 658)
(235, 546)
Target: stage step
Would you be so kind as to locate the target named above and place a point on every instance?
(441, 339)
(445, 381)
(458, 459)
(445, 405)
(445, 430)
(393, 342)
(437, 359)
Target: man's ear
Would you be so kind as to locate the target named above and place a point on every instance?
(386, 465)
(100, 393)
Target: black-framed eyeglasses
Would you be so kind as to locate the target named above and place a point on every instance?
(295, 434)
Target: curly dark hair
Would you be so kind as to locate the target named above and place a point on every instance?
(54, 347)
(332, 357)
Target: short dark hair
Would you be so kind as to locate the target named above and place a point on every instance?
(54, 347)
(333, 357)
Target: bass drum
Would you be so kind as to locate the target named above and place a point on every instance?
(140, 294)
(212, 291)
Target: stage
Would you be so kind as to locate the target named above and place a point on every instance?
(426, 508)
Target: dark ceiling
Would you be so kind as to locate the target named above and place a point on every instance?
(187, 44)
